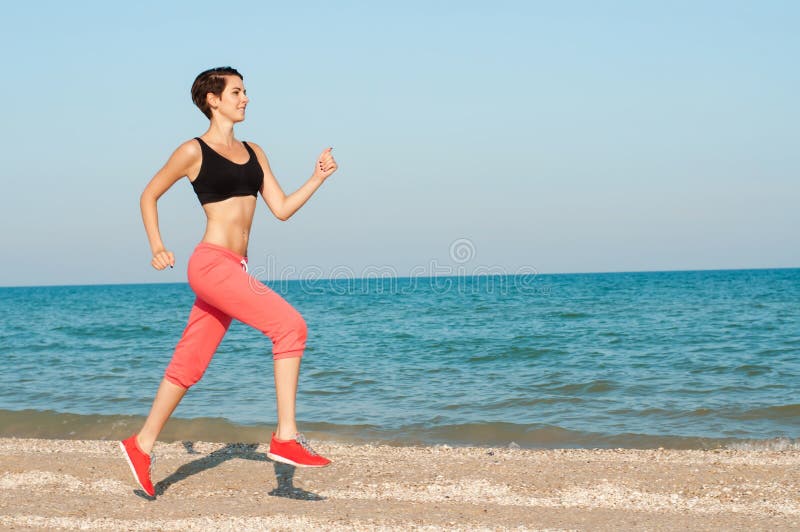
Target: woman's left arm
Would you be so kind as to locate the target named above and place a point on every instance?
(284, 206)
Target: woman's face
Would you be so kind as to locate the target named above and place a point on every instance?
(233, 100)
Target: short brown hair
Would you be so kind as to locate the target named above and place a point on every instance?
(213, 81)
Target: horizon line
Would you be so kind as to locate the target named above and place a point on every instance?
(616, 272)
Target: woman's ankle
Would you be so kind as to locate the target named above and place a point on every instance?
(282, 434)
(145, 445)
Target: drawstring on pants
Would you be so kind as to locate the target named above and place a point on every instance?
(244, 265)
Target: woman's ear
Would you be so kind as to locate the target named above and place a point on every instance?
(213, 100)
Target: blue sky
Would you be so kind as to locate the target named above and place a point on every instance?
(561, 136)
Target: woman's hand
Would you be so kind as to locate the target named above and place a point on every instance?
(162, 259)
(325, 165)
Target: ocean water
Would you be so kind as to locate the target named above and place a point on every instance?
(694, 359)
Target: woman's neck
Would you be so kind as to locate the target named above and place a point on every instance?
(221, 133)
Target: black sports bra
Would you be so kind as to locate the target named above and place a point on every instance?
(220, 178)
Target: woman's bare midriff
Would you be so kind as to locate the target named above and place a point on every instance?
(229, 222)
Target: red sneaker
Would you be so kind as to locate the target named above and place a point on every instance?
(141, 464)
(296, 452)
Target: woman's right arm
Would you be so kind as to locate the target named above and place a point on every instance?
(184, 161)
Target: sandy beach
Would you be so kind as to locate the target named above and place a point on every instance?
(73, 484)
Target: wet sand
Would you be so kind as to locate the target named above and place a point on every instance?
(73, 484)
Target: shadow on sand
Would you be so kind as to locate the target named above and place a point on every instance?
(284, 473)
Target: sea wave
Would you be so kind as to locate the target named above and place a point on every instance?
(60, 425)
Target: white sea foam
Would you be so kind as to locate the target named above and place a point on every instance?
(775, 444)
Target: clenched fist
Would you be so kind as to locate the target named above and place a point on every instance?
(162, 259)
(325, 165)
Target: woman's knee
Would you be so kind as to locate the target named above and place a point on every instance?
(300, 327)
(297, 327)
(292, 336)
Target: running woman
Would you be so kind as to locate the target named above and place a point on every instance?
(227, 174)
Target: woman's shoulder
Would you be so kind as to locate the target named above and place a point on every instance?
(189, 149)
(256, 148)
(186, 155)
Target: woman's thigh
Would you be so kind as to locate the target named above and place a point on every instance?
(220, 281)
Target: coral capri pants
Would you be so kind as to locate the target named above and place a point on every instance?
(224, 290)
